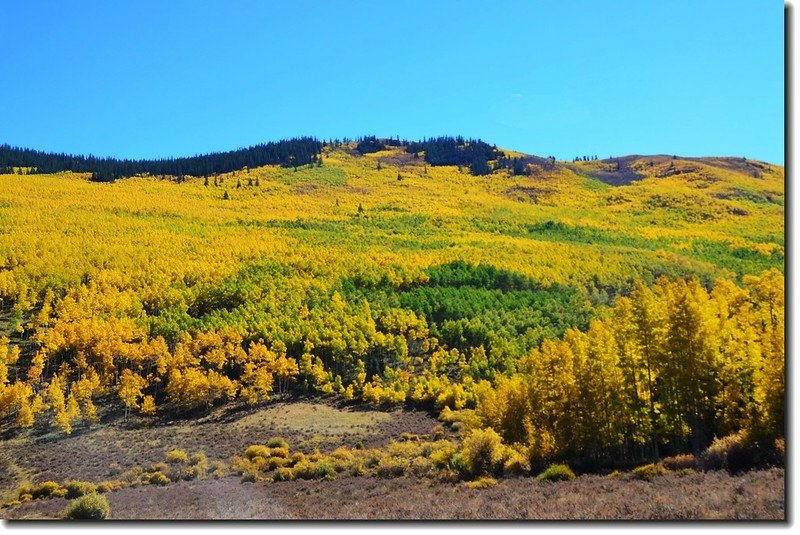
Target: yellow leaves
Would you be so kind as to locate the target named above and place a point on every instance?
(36, 367)
(195, 388)
(65, 408)
(148, 407)
(25, 418)
(130, 388)
(256, 383)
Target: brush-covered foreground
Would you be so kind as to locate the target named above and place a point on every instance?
(602, 314)
(313, 460)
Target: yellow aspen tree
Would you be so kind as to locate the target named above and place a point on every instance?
(148, 407)
(739, 356)
(768, 294)
(649, 331)
(36, 368)
(3, 361)
(130, 390)
(635, 391)
(691, 367)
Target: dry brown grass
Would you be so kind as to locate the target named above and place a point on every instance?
(105, 452)
(700, 495)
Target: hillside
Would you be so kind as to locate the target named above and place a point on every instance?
(604, 313)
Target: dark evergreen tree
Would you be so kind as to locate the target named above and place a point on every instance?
(369, 144)
(293, 152)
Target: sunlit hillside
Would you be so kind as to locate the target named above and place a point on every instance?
(562, 226)
(592, 311)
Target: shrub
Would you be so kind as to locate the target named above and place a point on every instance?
(105, 487)
(615, 474)
(442, 454)
(276, 462)
(76, 489)
(314, 470)
(257, 450)
(303, 470)
(342, 454)
(482, 483)
(438, 432)
(45, 489)
(679, 462)
(324, 469)
(284, 474)
(483, 451)
(158, 478)
(447, 416)
(459, 464)
(199, 468)
(279, 452)
(199, 458)
(392, 467)
(732, 453)
(193, 472)
(297, 458)
(25, 489)
(25, 497)
(648, 472)
(420, 466)
(177, 456)
(409, 437)
(373, 459)
(249, 476)
(218, 469)
(358, 468)
(516, 463)
(89, 507)
(277, 442)
(556, 472)
(159, 467)
(780, 446)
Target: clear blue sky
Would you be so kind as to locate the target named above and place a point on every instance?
(549, 77)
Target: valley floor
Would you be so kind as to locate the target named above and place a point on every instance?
(106, 450)
(711, 495)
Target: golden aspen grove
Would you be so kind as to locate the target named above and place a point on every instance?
(600, 314)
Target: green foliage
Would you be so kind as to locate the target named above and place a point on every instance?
(556, 472)
(468, 306)
(482, 452)
(89, 507)
(76, 489)
(278, 442)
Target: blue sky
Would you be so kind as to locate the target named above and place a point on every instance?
(548, 77)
